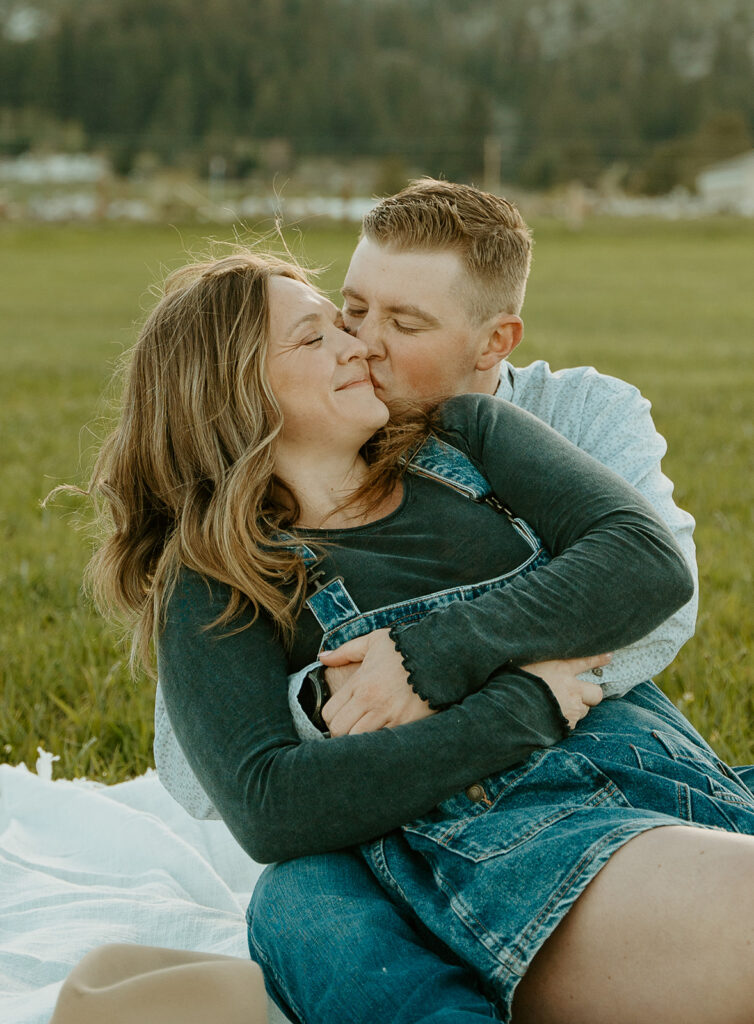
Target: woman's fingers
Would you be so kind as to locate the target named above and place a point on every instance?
(369, 722)
(574, 695)
(338, 676)
(352, 719)
(354, 650)
(334, 706)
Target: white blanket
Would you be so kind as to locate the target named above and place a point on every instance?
(82, 864)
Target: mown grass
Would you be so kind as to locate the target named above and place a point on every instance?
(665, 306)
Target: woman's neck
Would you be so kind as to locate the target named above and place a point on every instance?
(322, 484)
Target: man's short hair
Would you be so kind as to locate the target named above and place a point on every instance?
(487, 232)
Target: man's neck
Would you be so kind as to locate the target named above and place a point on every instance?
(488, 382)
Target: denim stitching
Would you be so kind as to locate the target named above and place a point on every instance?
(376, 857)
(405, 611)
(281, 990)
(595, 800)
(595, 851)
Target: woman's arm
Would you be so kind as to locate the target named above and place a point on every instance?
(284, 798)
(618, 574)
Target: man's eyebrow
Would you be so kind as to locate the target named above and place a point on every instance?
(415, 311)
(404, 309)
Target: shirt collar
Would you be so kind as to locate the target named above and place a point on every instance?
(505, 387)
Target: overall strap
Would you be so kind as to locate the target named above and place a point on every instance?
(330, 603)
(440, 461)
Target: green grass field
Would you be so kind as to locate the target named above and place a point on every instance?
(667, 306)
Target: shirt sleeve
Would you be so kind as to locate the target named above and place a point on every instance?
(618, 572)
(226, 693)
(612, 421)
(616, 428)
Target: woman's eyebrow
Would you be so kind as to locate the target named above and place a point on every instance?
(308, 319)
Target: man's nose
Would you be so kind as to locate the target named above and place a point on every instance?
(369, 332)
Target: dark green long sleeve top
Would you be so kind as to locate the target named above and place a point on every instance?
(617, 574)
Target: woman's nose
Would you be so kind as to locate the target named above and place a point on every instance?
(352, 347)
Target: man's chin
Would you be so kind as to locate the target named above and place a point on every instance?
(381, 393)
(400, 405)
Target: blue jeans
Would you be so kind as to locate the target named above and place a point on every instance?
(440, 919)
(334, 948)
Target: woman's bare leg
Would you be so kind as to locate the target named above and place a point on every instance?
(665, 932)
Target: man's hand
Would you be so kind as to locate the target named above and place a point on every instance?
(574, 696)
(370, 687)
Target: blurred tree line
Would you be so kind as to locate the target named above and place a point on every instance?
(566, 88)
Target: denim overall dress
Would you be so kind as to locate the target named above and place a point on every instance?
(492, 870)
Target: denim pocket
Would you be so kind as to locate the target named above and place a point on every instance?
(680, 748)
(696, 768)
(731, 791)
(549, 787)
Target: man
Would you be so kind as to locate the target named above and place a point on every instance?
(435, 289)
(425, 291)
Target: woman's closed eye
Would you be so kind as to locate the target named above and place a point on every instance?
(312, 341)
(404, 328)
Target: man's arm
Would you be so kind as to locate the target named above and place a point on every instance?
(611, 421)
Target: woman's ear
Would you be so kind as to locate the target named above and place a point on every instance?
(506, 332)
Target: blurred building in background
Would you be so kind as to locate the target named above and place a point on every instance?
(194, 107)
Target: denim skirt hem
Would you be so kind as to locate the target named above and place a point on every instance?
(529, 942)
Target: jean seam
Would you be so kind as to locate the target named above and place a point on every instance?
(589, 855)
(377, 861)
(599, 797)
(265, 962)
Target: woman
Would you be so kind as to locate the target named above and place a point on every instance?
(259, 506)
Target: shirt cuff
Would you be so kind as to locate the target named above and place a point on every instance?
(305, 729)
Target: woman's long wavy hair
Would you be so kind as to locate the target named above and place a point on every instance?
(187, 477)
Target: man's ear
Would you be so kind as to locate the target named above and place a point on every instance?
(506, 332)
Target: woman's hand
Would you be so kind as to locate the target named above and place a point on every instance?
(370, 695)
(574, 696)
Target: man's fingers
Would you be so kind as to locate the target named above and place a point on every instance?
(354, 650)
(591, 694)
(587, 664)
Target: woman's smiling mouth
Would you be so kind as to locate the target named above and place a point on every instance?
(355, 383)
